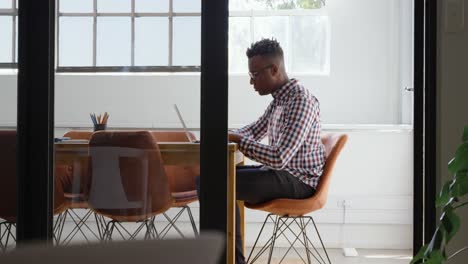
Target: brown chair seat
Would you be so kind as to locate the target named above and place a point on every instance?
(8, 186)
(287, 212)
(128, 181)
(182, 179)
(297, 207)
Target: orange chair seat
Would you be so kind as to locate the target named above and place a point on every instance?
(289, 207)
(333, 144)
(184, 198)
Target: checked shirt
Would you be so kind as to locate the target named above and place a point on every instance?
(292, 124)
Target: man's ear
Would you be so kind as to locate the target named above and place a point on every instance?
(274, 69)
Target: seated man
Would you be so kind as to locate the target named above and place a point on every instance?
(293, 160)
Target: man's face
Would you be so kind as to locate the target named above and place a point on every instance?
(262, 74)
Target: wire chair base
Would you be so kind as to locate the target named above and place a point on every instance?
(294, 230)
(172, 222)
(6, 235)
(109, 227)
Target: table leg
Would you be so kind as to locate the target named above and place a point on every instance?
(240, 204)
(231, 214)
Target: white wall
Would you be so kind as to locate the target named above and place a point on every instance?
(368, 69)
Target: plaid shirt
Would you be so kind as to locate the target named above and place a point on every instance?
(292, 124)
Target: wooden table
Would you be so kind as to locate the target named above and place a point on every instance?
(174, 153)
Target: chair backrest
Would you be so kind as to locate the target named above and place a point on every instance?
(333, 143)
(128, 181)
(8, 178)
(8, 175)
(76, 178)
(181, 178)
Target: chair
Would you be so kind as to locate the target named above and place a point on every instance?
(286, 212)
(128, 182)
(182, 182)
(8, 191)
(74, 179)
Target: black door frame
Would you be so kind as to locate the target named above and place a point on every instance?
(35, 120)
(425, 52)
(36, 117)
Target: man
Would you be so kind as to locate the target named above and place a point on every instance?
(294, 157)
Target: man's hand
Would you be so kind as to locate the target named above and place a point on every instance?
(234, 137)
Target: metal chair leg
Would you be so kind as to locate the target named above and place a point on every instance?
(283, 226)
(172, 222)
(5, 234)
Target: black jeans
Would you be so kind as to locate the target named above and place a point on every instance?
(256, 184)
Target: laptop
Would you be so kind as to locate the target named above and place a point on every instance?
(184, 126)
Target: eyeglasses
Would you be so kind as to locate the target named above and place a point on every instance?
(253, 75)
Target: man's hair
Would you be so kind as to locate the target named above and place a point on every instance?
(265, 47)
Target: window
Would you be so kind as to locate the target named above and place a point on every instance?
(8, 36)
(129, 35)
(301, 26)
(164, 35)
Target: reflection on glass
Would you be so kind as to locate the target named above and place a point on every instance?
(193, 6)
(76, 6)
(151, 41)
(6, 37)
(113, 41)
(76, 49)
(310, 44)
(239, 41)
(8, 189)
(273, 27)
(128, 178)
(152, 6)
(186, 43)
(114, 6)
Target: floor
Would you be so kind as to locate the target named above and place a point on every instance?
(365, 256)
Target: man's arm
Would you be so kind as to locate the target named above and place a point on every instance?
(300, 116)
(256, 130)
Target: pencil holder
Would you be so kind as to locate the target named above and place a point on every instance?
(98, 127)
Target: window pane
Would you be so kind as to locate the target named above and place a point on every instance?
(274, 4)
(239, 41)
(152, 6)
(16, 39)
(310, 45)
(193, 6)
(151, 41)
(113, 41)
(7, 39)
(75, 41)
(5, 4)
(76, 6)
(273, 27)
(186, 43)
(114, 6)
